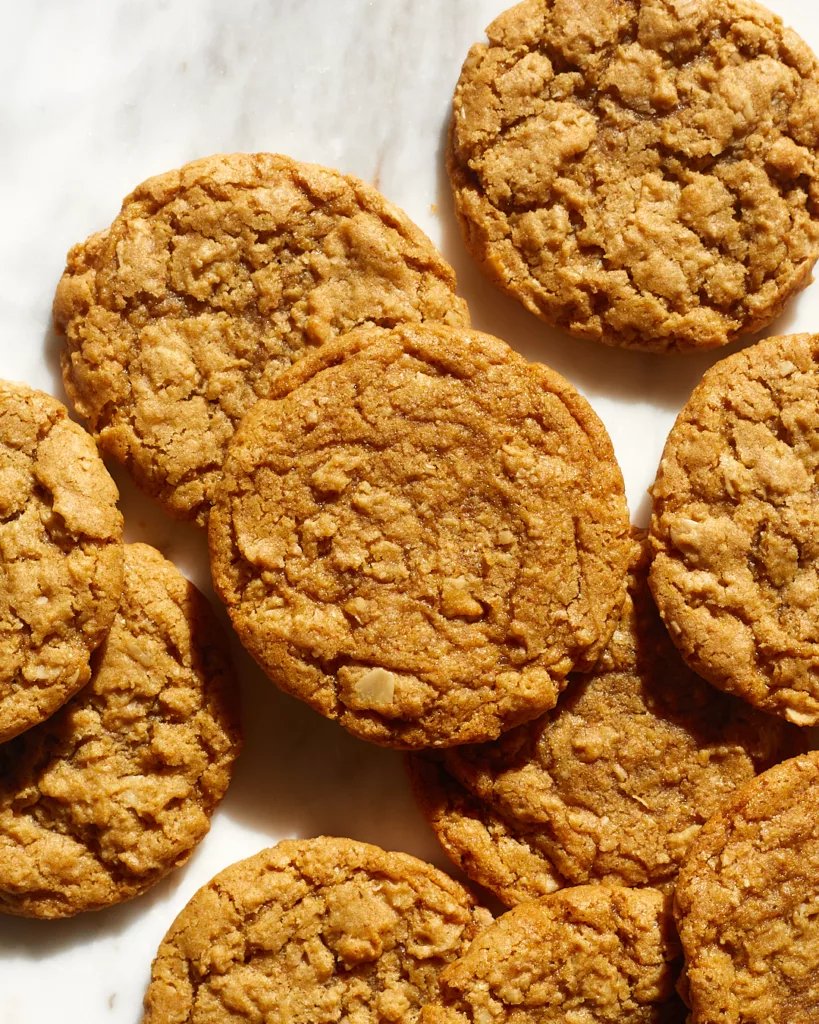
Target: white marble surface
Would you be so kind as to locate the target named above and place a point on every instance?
(99, 94)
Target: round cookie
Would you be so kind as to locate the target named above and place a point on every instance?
(117, 788)
(640, 172)
(60, 556)
(211, 280)
(735, 528)
(318, 929)
(747, 901)
(420, 534)
(614, 784)
(588, 954)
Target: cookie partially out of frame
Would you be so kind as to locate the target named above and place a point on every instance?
(117, 788)
(735, 528)
(60, 556)
(641, 172)
(614, 784)
(588, 954)
(747, 903)
(420, 534)
(211, 280)
(313, 930)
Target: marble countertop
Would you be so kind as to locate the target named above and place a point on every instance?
(99, 95)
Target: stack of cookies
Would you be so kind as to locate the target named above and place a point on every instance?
(118, 706)
(425, 538)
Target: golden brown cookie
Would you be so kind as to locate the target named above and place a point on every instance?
(588, 955)
(501, 856)
(735, 527)
(611, 786)
(420, 534)
(116, 789)
(640, 172)
(313, 930)
(60, 556)
(214, 278)
(747, 903)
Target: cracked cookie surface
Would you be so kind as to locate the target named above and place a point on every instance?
(494, 853)
(60, 556)
(641, 172)
(735, 528)
(747, 903)
(614, 784)
(421, 534)
(213, 279)
(588, 954)
(311, 931)
(117, 788)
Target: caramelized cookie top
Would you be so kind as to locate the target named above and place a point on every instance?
(735, 528)
(60, 556)
(315, 929)
(641, 172)
(606, 956)
(421, 534)
(117, 788)
(212, 280)
(611, 786)
(747, 899)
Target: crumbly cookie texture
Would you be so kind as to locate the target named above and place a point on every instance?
(420, 535)
(496, 854)
(611, 786)
(641, 172)
(213, 279)
(60, 556)
(747, 903)
(313, 930)
(735, 528)
(117, 788)
(589, 955)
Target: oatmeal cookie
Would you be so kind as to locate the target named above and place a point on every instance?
(611, 786)
(214, 278)
(747, 903)
(313, 930)
(501, 856)
(60, 556)
(420, 534)
(588, 954)
(117, 788)
(735, 528)
(641, 172)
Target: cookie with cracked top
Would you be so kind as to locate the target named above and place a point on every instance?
(588, 954)
(420, 534)
(60, 556)
(735, 528)
(641, 172)
(614, 784)
(101, 801)
(211, 280)
(313, 930)
(501, 856)
(747, 901)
